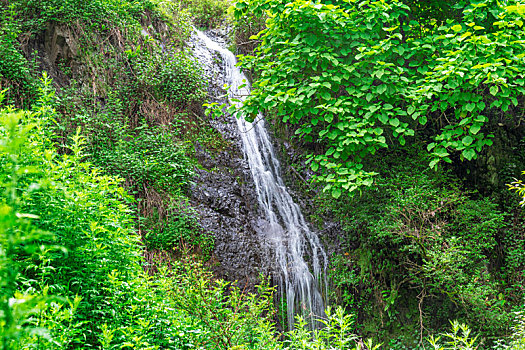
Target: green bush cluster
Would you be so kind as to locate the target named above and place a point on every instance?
(70, 260)
(88, 225)
(173, 77)
(129, 94)
(246, 26)
(207, 13)
(358, 77)
(99, 15)
(363, 84)
(419, 249)
(179, 229)
(150, 158)
(15, 72)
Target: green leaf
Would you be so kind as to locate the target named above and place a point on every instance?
(441, 152)
(475, 128)
(457, 28)
(381, 88)
(336, 192)
(467, 140)
(469, 153)
(481, 105)
(494, 90)
(383, 118)
(394, 122)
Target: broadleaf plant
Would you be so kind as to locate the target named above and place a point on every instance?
(360, 77)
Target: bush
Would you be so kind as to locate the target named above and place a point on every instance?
(207, 13)
(336, 332)
(418, 249)
(82, 284)
(98, 15)
(150, 158)
(173, 77)
(180, 228)
(15, 73)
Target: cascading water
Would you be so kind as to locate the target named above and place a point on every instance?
(286, 231)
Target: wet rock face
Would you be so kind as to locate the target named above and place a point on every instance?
(224, 194)
(226, 209)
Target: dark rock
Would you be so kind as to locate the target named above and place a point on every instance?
(224, 194)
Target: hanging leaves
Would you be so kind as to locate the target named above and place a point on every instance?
(352, 73)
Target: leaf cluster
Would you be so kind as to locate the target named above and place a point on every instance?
(359, 77)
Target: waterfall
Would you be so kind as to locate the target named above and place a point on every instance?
(287, 233)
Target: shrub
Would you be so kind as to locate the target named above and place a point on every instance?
(178, 229)
(415, 241)
(98, 15)
(150, 158)
(207, 13)
(15, 72)
(337, 332)
(82, 285)
(173, 77)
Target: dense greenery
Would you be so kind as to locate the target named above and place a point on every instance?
(408, 104)
(82, 284)
(359, 77)
(405, 102)
(419, 249)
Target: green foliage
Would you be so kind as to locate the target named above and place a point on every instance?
(14, 67)
(459, 338)
(417, 236)
(99, 15)
(86, 214)
(517, 338)
(184, 308)
(178, 18)
(336, 332)
(174, 77)
(519, 188)
(180, 228)
(83, 285)
(17, 236)
(359, 77)
(207, 13)
(246, 25)
(150, 158)
(30, 316)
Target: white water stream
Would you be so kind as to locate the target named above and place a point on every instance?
(292, 242)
